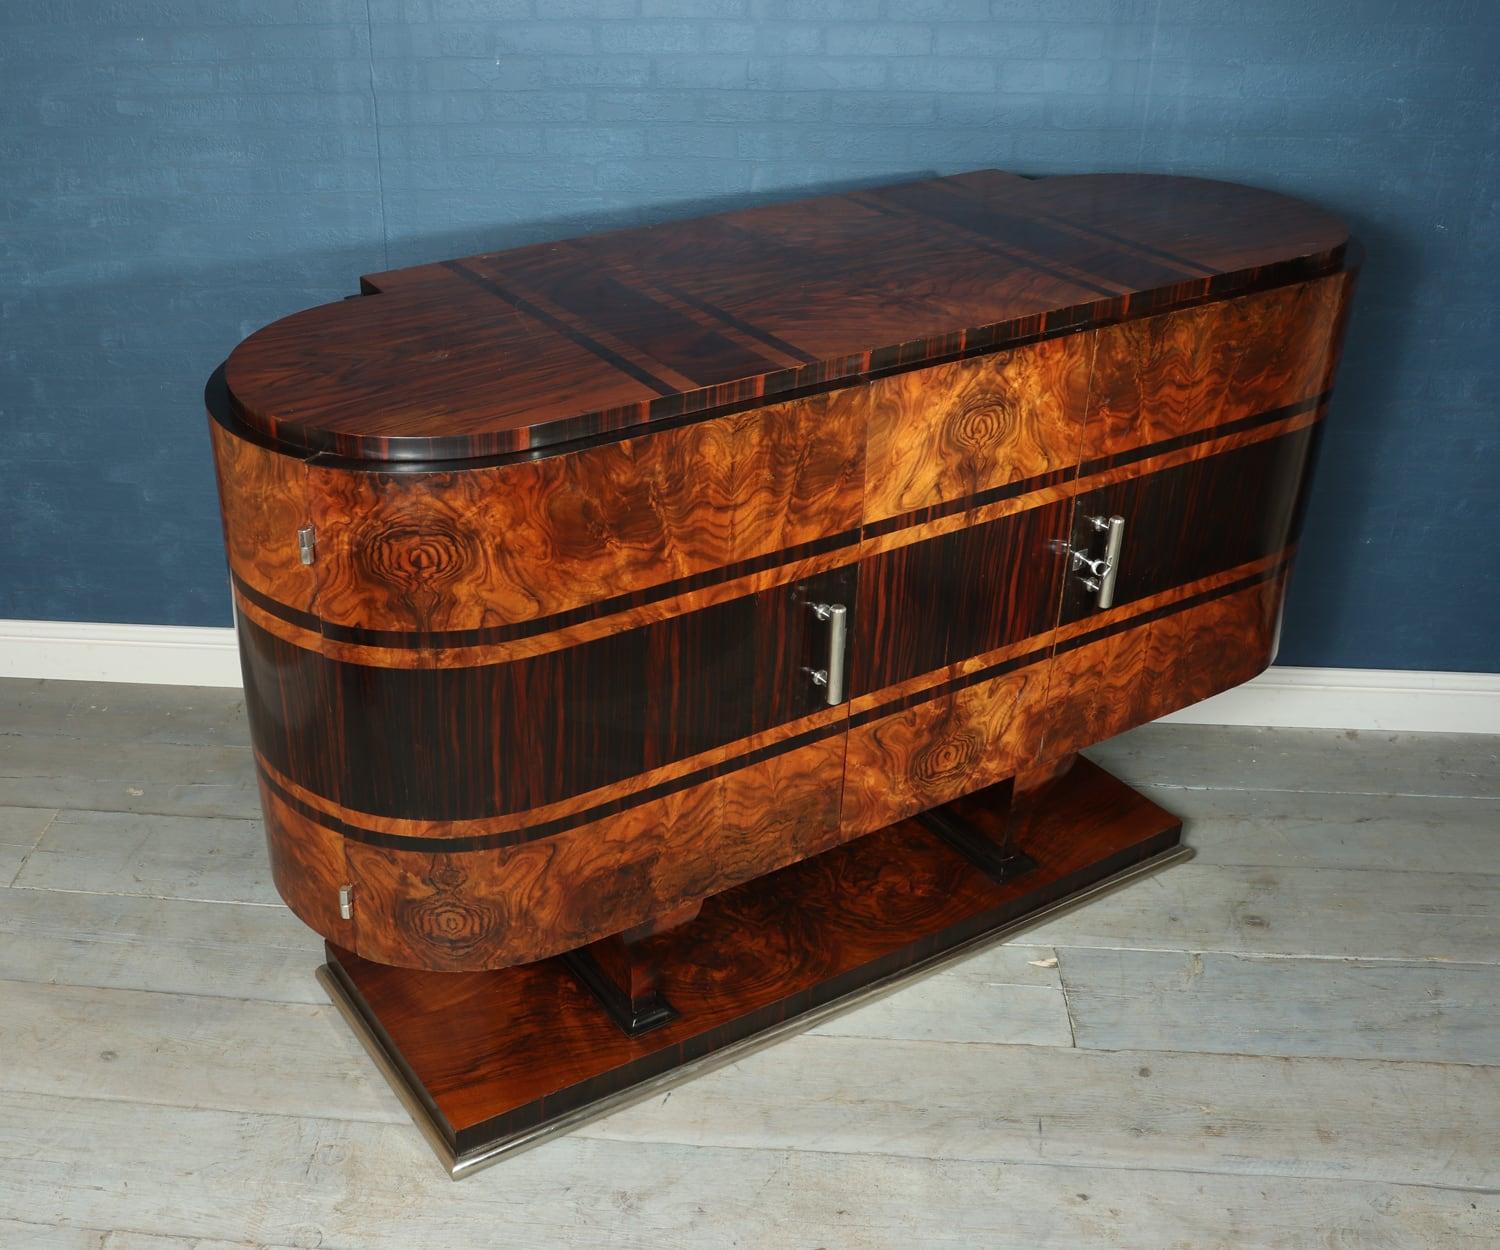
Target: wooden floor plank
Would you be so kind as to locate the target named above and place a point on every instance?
(94, 775)
(128, 942)
(1333, 1119)
(24, 1235)
(1003, 994)
(123, 712)
(21, 828)
(1323, 912)
(1231, 1004)
(188, 1051)
(286, 1180)
(188, 857)
(1317, 760)
(1289, 829)
(172, 1078)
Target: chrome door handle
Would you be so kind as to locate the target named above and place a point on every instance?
(1103, 571)
(832, 677)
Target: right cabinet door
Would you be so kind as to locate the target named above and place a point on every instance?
(1199, 433)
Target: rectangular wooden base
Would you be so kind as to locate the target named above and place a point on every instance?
(489, 1062)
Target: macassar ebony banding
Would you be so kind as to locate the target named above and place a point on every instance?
(595, 595)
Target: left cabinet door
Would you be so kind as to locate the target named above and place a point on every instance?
(537, 703)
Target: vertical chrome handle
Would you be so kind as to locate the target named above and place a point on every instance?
(1114, 530)
(1102, 572)
(832, 677)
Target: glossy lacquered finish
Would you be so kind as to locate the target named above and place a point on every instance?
(564, 682)
(544, 345)
(490, 1061)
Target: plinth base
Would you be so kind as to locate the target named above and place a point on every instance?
(489, 1062)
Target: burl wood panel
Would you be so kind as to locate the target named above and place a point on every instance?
(905, 762)
(496, 1053)
(477, 548)
(263, 503)
(959, 430)
(307, 865)
(496, 908)
(510, 352)
(1132, 675)
(1160, 378)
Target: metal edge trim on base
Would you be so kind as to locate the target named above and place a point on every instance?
(460, 1165)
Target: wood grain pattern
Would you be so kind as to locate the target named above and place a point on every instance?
(551, 672)
(934, 522)
(263, 503)
(1187, 522)
(472, 549)
(308, 866)
(542, 346)
(957, 430)
(929, 604)
(498, 1052)
(1135, 674)
(493, 909)
(460, 744)
(948, 746)
(1160, 378)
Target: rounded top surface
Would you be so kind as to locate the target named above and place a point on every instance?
(544, 345)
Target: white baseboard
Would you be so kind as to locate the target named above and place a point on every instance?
(1356, 698)
(157, 655)
(1306, 698)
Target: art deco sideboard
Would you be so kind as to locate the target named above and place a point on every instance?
(656, 639)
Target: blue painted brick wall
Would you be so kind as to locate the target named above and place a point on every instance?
(179, 172)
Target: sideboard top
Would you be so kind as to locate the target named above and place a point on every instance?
(549, 344)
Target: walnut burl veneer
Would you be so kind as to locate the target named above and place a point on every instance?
(619, 614)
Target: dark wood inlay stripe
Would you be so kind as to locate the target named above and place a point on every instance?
(560, 824)
(494, 634)
(274, 607)
(1133, 455)
(738, 323)
(521, 304)
(1035, 657)
(963, 503)
(628, 314)
(961, 187)
(612, 807)
(1106, 263)
(960, 224)
(1179, 605)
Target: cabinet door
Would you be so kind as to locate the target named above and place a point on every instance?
(960, 583)
(1197, 594)
(950, 663)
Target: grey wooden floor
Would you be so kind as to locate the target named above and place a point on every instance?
(1292, 1040)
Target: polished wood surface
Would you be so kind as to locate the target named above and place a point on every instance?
(544, 345)
(587, 532)
(1229, 364)
(494, 1055)
(518, 704)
